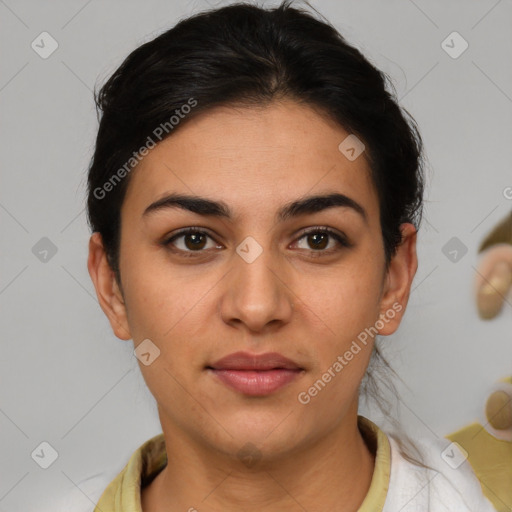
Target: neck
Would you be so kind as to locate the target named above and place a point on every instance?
(334, 473)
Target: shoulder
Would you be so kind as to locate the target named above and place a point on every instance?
(450, 483)
(104, 488)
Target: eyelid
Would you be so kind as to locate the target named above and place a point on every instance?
(325, 229)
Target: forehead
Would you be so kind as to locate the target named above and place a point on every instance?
(247, 155)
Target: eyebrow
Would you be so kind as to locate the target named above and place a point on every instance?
(208, 207)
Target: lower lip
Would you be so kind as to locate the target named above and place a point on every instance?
(257, 383)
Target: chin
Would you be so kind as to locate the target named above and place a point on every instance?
(273, 431)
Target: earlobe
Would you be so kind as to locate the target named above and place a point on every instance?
(107, 290)
(398, 280)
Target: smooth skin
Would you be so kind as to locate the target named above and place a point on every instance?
(306, 297)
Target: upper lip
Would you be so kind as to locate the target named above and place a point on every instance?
(246, 361)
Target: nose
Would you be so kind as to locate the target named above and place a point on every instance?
(258, 292)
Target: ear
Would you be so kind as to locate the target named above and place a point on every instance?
(109, 296)
(398, 280)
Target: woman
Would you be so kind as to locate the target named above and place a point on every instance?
(254, 197)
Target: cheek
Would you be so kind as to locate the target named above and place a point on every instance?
(343, 350)
(171, 313)
(157, 299)
(345, 302)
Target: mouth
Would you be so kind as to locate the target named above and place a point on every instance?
(255, 375)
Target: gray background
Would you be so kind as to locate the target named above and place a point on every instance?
(67, 380)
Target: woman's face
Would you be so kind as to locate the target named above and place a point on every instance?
(252, 280)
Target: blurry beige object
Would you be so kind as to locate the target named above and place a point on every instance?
(494, 277)
(498, 410)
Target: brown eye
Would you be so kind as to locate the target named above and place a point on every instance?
(190, 240)
(317, 240)
(194, 241)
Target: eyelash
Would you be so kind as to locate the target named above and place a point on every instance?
(342, 241)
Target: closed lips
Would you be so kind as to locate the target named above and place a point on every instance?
(256, 362)
(256, 374)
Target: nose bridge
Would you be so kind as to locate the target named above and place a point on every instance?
(254, 268)
(257, 293)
